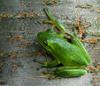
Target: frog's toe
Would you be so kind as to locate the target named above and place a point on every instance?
(45, 64)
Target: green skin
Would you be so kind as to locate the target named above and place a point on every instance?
(66, 49)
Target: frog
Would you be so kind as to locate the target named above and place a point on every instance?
(66, 48)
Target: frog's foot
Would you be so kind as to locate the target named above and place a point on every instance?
(50, 64)
(47, 64)
(89, 40)
(55, 21)
(92, 69)
(50, 22)
(35, 60)
(47, 22)
(69, 72)
(44, 64)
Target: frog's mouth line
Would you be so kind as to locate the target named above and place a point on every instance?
(44, 44)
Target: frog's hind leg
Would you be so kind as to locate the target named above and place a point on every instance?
(69, 72)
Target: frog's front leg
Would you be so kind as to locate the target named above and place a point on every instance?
(51, 64)
(50, 22)
(48, 64)
(70, 72)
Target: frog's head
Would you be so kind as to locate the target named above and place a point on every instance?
(42, 38)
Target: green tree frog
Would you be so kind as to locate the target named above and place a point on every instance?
(66, 49)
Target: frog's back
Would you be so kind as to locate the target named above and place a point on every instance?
(67, 53)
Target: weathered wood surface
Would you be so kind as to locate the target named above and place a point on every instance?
(17, 44)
